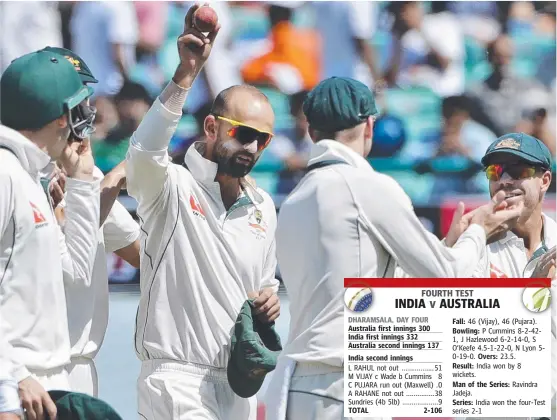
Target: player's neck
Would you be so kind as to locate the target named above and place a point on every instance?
(229, 189)
(530, 231)
(355, 144)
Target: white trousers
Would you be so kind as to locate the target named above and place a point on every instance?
(169, 390)
(316, 396)
(83, 376)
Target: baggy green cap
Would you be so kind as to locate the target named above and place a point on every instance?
(77, 406)
(254, 349)
(38, 88)
(339, 103)
(80, 66)
(524, 146)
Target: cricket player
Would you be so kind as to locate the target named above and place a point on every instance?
(87, 304)
(520, 166)
(42, 101)
(346, 220)
(207, 243)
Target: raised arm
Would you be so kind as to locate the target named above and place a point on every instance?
(147, 158)
(78, 243)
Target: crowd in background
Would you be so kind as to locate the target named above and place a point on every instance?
(450, 77)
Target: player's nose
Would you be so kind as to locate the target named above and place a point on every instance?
(251, 147)
(506, 178)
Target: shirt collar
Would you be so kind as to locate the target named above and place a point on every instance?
(549, 228)
(29, 155)
(332, 149)
(204, 171)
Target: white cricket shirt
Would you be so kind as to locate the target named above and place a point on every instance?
(34, 254)
(198, 260)
(88, 304)
(507, 258)
(346, 220)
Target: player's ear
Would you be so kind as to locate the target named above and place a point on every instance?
(368, 131)
(546, 181)
(312, 134)
(62, 122)
(210, 127)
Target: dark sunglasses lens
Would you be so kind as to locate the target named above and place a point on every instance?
(246, 135)
(494, 172)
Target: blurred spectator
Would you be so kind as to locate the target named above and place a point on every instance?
(505, 99)
(428, 49)
(293, 62)
(540, 125)
(346, 28)
(151, 19)
(477, 19)
(460, 135)
(26, 27)
(104, 34)
(545, 28)
(132, 103)
(292, 148)
(389, 136)
(106, 119)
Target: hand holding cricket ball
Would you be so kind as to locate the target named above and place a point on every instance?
(194, 46)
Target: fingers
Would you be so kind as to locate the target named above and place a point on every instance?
(188, 22)
(38, 407)
(253, 295)
(212, 35)
(497, 199)
(459, 212)
(50, 407)
(84, 147)
(29, 410)
(193, 37)
(273, 313)
(501, 206)
(264, 295)
(267, 305)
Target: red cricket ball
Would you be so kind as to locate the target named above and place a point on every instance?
(205, 19)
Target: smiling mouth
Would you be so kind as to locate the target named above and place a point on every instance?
(244, 159)
(511, 195)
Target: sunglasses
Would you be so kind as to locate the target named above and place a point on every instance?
(495, 171)
(246, 134)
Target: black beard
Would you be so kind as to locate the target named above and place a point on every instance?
(230, 166)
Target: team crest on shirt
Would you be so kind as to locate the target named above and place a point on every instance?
(258, 226)
(196, 207)
(38, 217)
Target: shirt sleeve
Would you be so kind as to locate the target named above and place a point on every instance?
(147, 160)
(119, 229)
(78, 243)
(9, 368)
(418, 252)
(270, 265)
